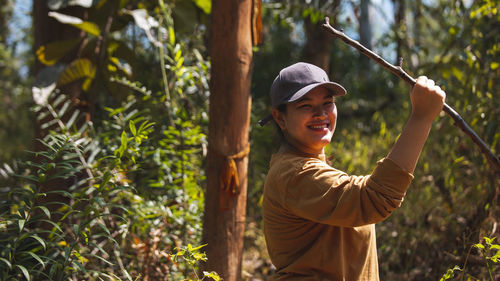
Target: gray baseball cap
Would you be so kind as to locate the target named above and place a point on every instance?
(295, 81)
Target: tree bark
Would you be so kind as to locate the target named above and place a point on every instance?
(229, 113)
(317, 47)
(365, 29)
(365, 37)
(399, 27)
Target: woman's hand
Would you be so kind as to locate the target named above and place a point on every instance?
(427, 99)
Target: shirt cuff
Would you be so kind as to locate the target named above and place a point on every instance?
(390, 175)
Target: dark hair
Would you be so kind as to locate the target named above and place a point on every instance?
(281, 108)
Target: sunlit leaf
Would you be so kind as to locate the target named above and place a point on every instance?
(145, 22)
(6, 262)
(59, 4)
(36, 257)
(24, 271)
(78, 69)
(41, 95)
(212, 275)
(86, 26)
(205, 5)
(21, 224)
(40, 240)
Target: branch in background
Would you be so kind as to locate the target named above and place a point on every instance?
(398, 71)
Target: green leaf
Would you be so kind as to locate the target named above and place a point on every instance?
(67, 252)
(495, 246)
(21, 224)
(40, 240)
(6, 262)
(489, 240)
(36, 257)
(131, 124)
(212, 275)
(196, 248)
(53, 224)
(205, 5)
(44, 209)
(479, 246)
(171, 35)
(24, 271)
(86, 26)
(105, 179)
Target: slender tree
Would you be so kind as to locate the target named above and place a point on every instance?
(317, 47)
(399, 27)
(229, 113)
(365, 34)
(365, 29)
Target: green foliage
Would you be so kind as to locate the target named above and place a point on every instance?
(53, 234)
(450, 273)
(489, 251)
(193, 256)
(134, 192)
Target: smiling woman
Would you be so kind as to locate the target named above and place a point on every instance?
(319, 221)
(310, 121)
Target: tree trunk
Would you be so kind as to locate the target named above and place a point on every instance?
(317, 47)
(365, 29)
(229, 113)
(5, 15)
(399, 27)
(365, 38)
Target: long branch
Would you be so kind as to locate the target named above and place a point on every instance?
(398, 71)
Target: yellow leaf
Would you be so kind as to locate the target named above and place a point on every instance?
(78, 69)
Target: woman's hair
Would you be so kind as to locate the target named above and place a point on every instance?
(281, 108)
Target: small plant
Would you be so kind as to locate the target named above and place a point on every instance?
(193, 256)
(450, 273)
(491, 254)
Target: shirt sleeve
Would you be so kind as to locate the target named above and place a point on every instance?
(320, 193)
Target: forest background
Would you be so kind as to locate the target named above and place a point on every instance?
(104, 119)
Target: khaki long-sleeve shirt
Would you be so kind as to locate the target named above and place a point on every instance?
(319, 221)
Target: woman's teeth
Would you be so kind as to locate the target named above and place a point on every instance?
(318, 126)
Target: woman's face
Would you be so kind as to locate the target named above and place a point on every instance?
(309, 123)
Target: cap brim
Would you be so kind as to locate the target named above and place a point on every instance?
(334, 88)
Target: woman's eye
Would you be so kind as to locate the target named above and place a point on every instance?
(305, 106)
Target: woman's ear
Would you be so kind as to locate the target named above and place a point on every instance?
(278, 116)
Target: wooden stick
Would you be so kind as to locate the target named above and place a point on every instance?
(398, 71)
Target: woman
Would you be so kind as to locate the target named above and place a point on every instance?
(319, 221)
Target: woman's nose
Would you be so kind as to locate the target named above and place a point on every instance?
(319, 111)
